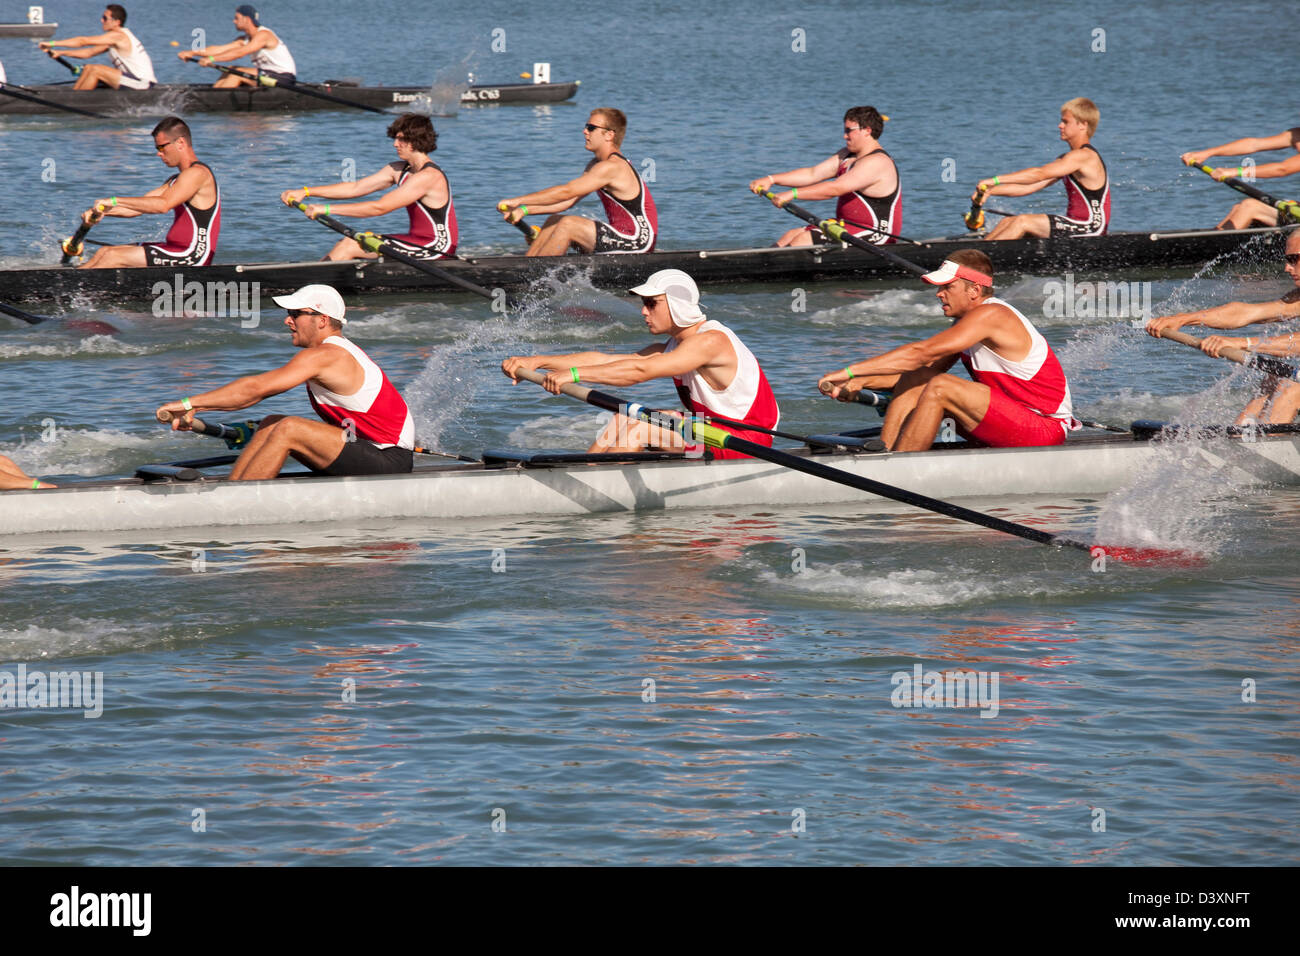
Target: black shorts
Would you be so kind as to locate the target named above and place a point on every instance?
(609, 239)
(360, 457)
(1061, 226)
(429, 253)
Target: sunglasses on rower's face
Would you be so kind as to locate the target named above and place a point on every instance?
(851, 129)
(295, 313)
(1292, 258)
(159, 147)
(592, 127)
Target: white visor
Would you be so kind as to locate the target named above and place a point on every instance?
(683, 295)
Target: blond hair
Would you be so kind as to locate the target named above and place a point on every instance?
(1085, 111)
(616, 120)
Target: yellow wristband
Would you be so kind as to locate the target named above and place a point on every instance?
(305, 192)
(185, 403)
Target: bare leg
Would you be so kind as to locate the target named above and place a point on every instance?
(624, 434)
(1247, 213)
(97, 74)
(116, 257)
(315, 444)
(230, 80)
(1278, 405)
(964, 401)
(796, 237)
(348, 248)
(1017, 227)
(561, 232)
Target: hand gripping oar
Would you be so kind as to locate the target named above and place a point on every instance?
(693, 430)
(235, 436)
(372, 243)
(1262, 363)
(57, 58)
(10, 91)
(292, 85)
(1285, 207)
(836, 231)
(72, 246)
(530, 231)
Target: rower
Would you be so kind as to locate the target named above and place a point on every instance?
(271, 57)
(1018, 396)
(1279, 401)
(132, 69)
(419, 184)
(12, 477)
(861, 176)
(1252, 212)
(633, 222)
(191, 194)
(366, 427)
(715, 374)
(1087, 185)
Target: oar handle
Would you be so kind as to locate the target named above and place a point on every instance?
(1263, 363)
(1282, 205)
(832, 228)
(975, 218)
(530, 231)
(235, 436)
(863, 396)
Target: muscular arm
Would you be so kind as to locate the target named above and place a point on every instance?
(239, 49)
(415, 188)
(248, 391)
(559, 198)
(695, 353)
(864, 175)
(565, 362)
(1025, 181)
(1232, 315)
(803, 176)
(160, 200)
(1249, 144)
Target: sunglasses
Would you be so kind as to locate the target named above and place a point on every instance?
(592, 127)
(851, 129)
(1292, 258)
(159, 147)
(295, 313)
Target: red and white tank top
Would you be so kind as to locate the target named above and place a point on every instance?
(136, 67)
(1089, 205)
(194, 231)
(377, 411)
(878, 212)
(632, 217)
(747, 399)
(1037, 381)
(433, 227)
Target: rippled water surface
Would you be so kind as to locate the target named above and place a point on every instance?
(701, 686)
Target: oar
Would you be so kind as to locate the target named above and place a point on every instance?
(695, 431)
(25, 316)
(8, 91)
(372, 243)
(838, 232)
(530, 231)
(235, 436)
(72, 246)
(975, 218)
(1286, 207)
(75, 68)
(293, 85)
(1262, 363)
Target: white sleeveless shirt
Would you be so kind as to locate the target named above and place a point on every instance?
(279, 60)
(136, 67)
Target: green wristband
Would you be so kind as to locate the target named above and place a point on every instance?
(794, 193)
(185, 404)
(327, 209)
(997, 181)
(574, 373)
(848, 371)
(523, 211)
(36, 483)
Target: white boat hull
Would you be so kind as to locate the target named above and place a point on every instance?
(1081, 468)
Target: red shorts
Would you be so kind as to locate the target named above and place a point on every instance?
(1008, 424)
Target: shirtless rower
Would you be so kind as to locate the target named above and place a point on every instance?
(132, 69)
(1279, 400)
(365, 427)
(1018, 394)
(419, 184)
(270, 55)
(1087, 185)
(12, 477)
(861, 176)
(715, 374)
(633, 222)
(191, 195)
(1251, 212)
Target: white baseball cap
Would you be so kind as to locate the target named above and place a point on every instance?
(320, 298)
(683, 295)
